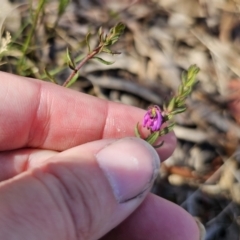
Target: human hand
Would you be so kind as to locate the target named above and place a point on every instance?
(234, 99)
(64, 175)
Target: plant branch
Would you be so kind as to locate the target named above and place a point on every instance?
(105, 41)
(78, 67)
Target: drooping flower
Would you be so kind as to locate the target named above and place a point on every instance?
(153, 119)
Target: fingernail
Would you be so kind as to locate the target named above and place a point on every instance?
(130, 165)
(201, 228)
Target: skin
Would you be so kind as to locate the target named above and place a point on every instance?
(233, 97)
(39, 120)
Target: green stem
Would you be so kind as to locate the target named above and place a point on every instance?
(31, 32)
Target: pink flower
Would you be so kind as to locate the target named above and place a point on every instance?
(153, 119)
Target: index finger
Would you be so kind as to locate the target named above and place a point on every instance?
(38, 114)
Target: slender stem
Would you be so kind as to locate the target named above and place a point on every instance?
(75, 71)
(33, 28)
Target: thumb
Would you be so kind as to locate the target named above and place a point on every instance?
(81, 193)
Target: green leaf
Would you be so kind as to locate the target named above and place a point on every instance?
(136, 131)
(168, 117)
(100, 34)
(107, 50)
(180, 104)
(193, 70)
(167, 129)
(180, 90)
(119, 29)
(62, 6)
(187, 91)
(103, 61)
(191, 82)
(51, 78)
(171, 104)
(87, 41)
(114, 34)
(192, 73)
(178, 110)
(73, 80)
(184, 77)
(70, 61)
(151, 139)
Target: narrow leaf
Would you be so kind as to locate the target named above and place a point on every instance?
(70, 61)
(73, 80)
(179, 110)
(100, 34)
(184, 77)
(62, 6)
(119, 28)
(171, 104)
(170, 127)
(103, 61)
(167, 129)
(107, 50)
(114, 34)
(87, 41)
(180, 90)
(51, 78)
(192, 73)
(187, 91)
(136, 131)
(151, 139)
(167, 117)
(71, 66)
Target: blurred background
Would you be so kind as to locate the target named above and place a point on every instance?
(162, 38)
